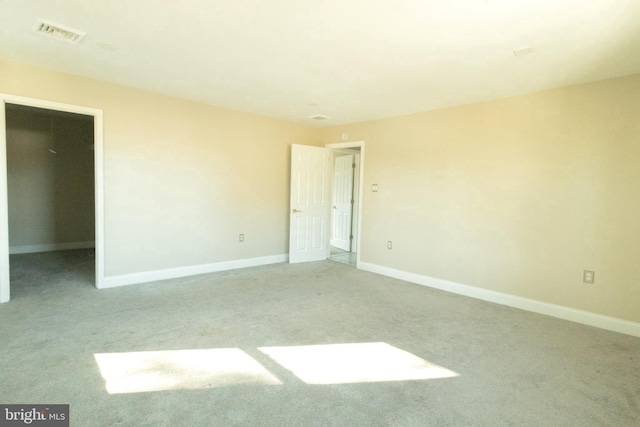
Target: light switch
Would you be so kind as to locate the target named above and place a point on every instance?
(374, 188)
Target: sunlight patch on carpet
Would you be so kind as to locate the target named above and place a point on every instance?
(354, 363)
(136, 372)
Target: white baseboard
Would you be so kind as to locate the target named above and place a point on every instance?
(561, 312)
(172, 273)
(47, 247)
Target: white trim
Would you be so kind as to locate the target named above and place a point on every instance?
(341, 145)
(172, 273)
(47, 247)
(98, 127)
(98, 169)
(5, 287)
(558, 311)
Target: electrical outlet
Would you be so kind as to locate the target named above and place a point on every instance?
(389, 244)
(588, 276)
(241, 237)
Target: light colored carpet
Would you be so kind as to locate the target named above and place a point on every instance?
(342, 256)
(513, 368)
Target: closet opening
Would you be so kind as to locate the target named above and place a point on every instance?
(50, 199)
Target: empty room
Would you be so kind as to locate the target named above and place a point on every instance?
(320, 213)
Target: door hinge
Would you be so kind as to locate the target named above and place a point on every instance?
(351, 237)
(353, 165)
(352, 201)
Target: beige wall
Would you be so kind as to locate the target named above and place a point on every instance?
(181, 179)
(51, 198)
(517, 195)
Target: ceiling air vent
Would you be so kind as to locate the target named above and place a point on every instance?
(319, 117)
(523, 51)
(58, 31)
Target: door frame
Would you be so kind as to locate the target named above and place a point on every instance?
(339, 146)
(98, 158)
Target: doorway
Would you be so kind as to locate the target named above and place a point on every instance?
(346, 201)
(344, 205)
(51, 180)
(310, 202)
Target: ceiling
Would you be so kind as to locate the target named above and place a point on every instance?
(351, 60)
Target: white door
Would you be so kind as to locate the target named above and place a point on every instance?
(342, 209)
(309, 207)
